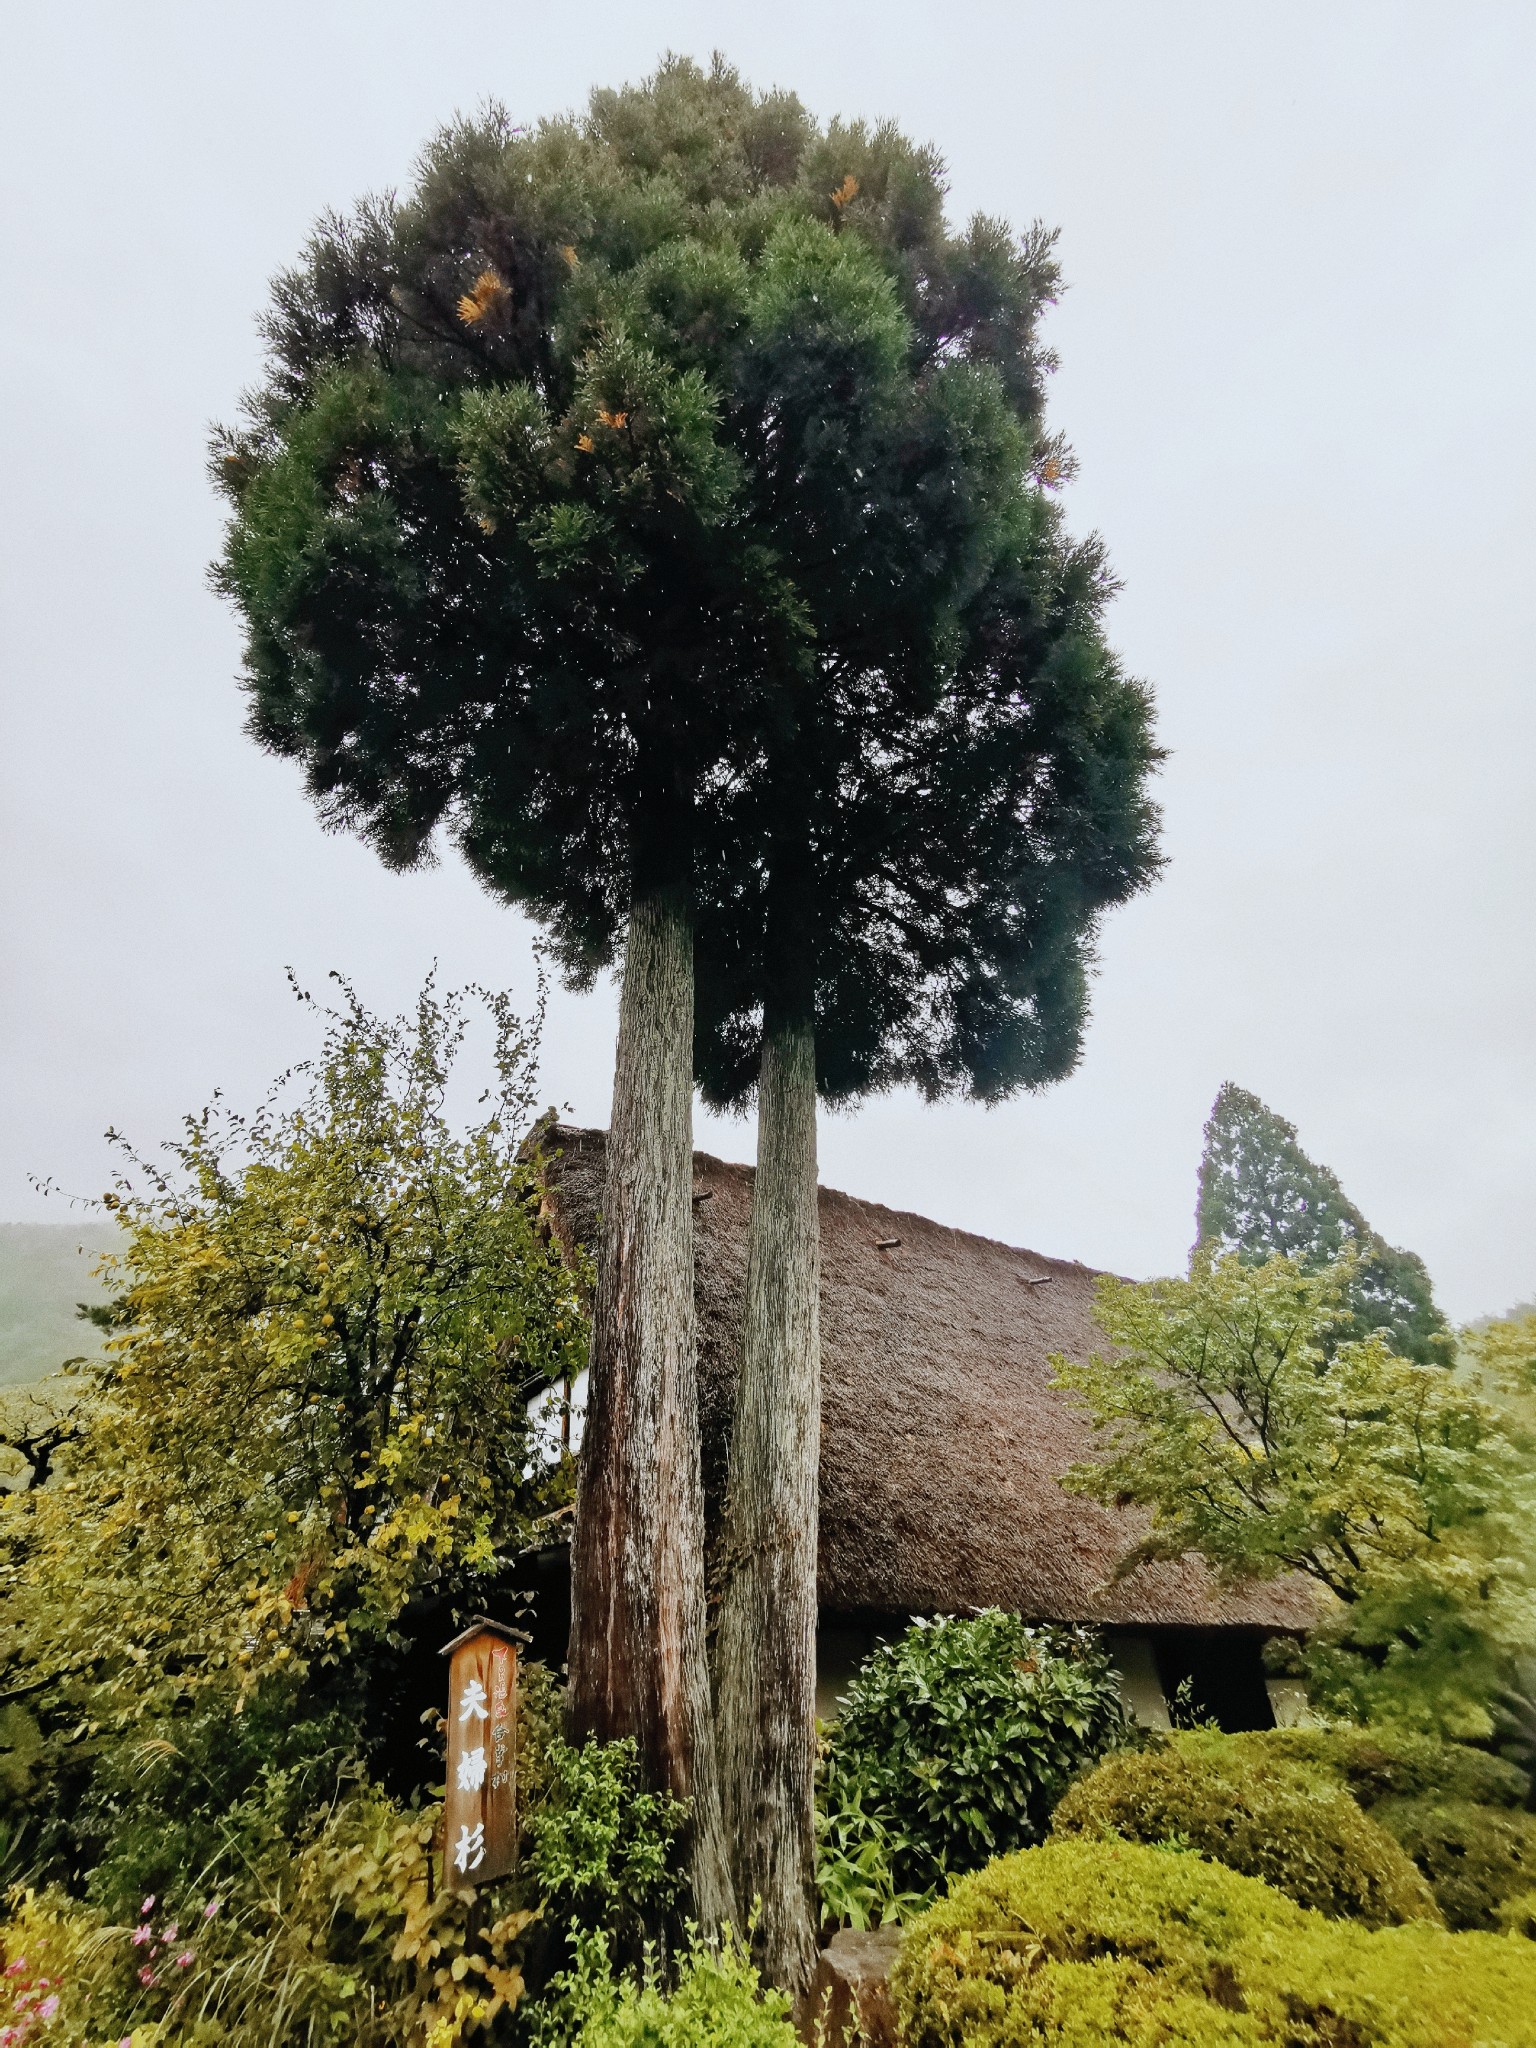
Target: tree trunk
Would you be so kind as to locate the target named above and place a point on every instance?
(765, 1659)
(638, 1657)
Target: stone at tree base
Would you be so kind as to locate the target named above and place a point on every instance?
(849, 2002)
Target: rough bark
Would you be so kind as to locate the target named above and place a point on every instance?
(638, 1655)
(765, 1660)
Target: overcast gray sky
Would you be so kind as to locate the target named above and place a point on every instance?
(1296, 364)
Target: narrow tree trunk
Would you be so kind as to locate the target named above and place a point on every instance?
(638, 1658)
(765, 1658)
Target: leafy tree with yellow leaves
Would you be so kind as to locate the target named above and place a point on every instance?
(314, 1445)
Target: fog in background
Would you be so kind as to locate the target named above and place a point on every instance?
(1296, 366)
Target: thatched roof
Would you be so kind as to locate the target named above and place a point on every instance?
(942, 1437)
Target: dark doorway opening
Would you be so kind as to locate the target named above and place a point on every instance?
(1224, 1669)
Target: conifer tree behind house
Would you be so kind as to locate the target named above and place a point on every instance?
(1261, 1194)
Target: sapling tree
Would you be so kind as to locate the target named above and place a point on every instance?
(1260, 1194)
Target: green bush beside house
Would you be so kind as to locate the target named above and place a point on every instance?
(1379, 1763)
(1280, 1822)
(954, 1744)
(1079, 1942)
(1369, 1824)
(1454, 1810)
(1475, 1858)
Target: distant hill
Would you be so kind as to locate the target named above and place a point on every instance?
(45, 1269)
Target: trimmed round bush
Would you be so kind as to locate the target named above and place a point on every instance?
(1385, 1763)
(1281, 1823)
(1474, 1857)
(958, 1740)
(1081, 1943)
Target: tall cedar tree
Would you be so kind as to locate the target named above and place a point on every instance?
(498, 577)
(938, 804)
(631, 492)
(1260, 1194)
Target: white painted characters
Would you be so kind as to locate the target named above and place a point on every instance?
(470, 1775)
(469, 1849)
(472, 1704)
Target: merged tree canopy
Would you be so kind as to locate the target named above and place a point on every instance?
(648, 492)
(660, 502)
(1260, 1194)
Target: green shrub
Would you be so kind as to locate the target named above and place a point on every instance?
(342, 1934)
(855, 1867)
(598, 1848)
(1518, 1915)
(1386, 1763)
(1080, 1943)
(717, 2003)
(1283, 1824)
(1474, 1857)
(958, 1740)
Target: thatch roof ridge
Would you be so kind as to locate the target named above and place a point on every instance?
(942, 1435)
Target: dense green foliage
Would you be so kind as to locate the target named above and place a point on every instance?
(1257, 1436)
(307, 1455)
(599, 1847)
(1376, 1824)
(1388, 1763)
(1503, 1352)
(311, 1433)
(1475, 1857)
(326, 1925)
(954, 1744)
(1078, 1943)
(642, 487)
(1260, 1194)
(1270, 1820)
(716, 2002)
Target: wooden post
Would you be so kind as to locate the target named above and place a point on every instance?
(480, 1807)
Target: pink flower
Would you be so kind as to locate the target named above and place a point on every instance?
(211, 1908)
(172, 1931)
(18, 1968)
(185, 1960)
(148, 1905)
(146, 1976)
(48, 2007)
(140, 1935)
(126, 2041)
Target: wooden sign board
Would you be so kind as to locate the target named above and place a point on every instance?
(480, 1807)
